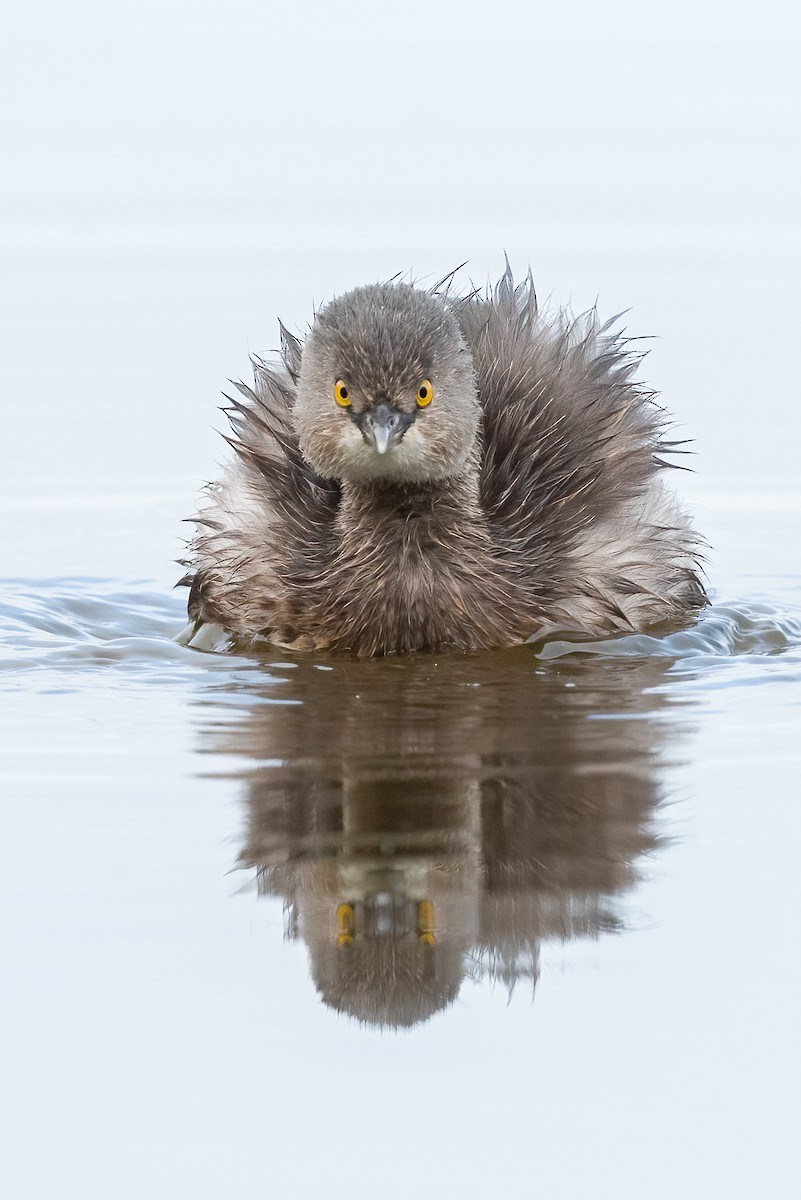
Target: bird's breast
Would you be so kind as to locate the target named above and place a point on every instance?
(409, 583)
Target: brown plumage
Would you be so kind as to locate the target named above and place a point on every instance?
(426, 471)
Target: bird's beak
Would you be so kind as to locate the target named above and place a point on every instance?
(383, 426)
(381, 436)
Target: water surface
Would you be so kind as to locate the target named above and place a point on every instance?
(468, 893)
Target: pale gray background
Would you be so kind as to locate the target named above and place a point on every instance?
(174, 176)
(178, 174)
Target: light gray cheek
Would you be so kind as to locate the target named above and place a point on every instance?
(350, 441)
(414, 451)
(354, 457)
(435, 448)
(326, 442)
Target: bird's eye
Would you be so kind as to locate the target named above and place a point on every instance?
(425, 394)
(341, 393)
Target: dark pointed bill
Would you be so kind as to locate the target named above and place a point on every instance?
(383, 426)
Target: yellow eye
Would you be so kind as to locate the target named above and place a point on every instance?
(341, 393)
(425, 393)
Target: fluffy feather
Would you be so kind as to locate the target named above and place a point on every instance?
(527, 498)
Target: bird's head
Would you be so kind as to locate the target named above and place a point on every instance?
(386, 389)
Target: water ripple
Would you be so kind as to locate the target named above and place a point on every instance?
(723, 631)
(84, 624)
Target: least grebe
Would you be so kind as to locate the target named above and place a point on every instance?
(427, 471)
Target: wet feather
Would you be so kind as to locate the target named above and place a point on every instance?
(528, 499)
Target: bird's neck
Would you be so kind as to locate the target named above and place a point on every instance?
(450, 503)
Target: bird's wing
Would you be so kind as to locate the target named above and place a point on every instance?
(572, 448)
(269, 510)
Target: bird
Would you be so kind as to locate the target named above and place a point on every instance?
(428, 471)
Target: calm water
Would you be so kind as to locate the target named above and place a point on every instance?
(570, 881)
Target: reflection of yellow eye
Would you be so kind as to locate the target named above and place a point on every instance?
(344, 924)
(425, 923)
(341, 393)
(425, 393)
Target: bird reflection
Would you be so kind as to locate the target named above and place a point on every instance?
(428, 820)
